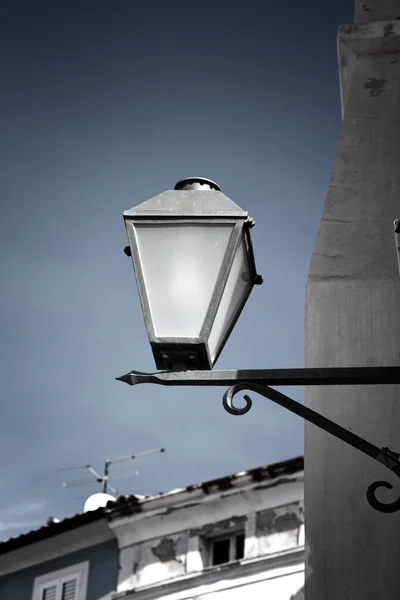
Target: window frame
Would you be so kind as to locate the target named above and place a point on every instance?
(79, 571)
(232, 537)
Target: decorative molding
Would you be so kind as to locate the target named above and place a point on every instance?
(205, 492)
(354, 41)
(382, 37)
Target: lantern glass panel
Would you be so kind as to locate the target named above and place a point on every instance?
(180, 265)
(236, 291)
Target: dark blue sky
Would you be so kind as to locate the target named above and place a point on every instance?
(102, 106)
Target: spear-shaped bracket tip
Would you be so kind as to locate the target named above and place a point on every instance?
(136, 377)
(128, 378)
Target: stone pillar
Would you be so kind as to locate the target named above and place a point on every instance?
(353, 320)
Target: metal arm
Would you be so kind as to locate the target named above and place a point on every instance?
(385, 456)
(334, 376)
(259, 381)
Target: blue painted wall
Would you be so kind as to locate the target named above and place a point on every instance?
(103, 573)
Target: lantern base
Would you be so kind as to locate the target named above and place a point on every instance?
(186, 357)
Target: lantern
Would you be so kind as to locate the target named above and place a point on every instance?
(194, 266)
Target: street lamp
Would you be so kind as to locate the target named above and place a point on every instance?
(194, 265)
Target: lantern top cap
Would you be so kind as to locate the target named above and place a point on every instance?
(188, 200)
(197, 183)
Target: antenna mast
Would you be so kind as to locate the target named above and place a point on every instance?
(105, 478)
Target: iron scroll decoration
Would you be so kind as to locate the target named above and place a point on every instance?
(256, 381)
(383, 455)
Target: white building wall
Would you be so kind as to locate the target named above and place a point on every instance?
(285, 583)
(165, 552)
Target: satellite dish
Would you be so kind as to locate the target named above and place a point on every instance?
(97, 501)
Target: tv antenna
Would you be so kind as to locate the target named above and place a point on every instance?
(104, 479)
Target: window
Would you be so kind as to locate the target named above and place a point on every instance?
(226, 549)
(66, 584)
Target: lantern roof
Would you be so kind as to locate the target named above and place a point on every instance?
(188, 203)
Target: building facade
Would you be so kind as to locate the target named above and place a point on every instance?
(74, 559)
(243, 534)
(218, 540)
(353, 320)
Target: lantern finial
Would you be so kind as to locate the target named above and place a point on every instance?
(197, 183)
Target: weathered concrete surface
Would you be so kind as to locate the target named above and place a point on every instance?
(367, 11)
(165, 551)
(353, 320)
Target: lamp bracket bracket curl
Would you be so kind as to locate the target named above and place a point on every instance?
(259, 381)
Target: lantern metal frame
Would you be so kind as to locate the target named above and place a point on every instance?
(193, 352)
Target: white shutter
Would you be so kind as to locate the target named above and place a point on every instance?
(69, 583)
(69, 590)
(49, 593)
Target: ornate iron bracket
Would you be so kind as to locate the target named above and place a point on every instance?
(259, 381)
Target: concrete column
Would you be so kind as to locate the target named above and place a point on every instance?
(126, 575)
(353, 320)
(251, 541)
(194, 561)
